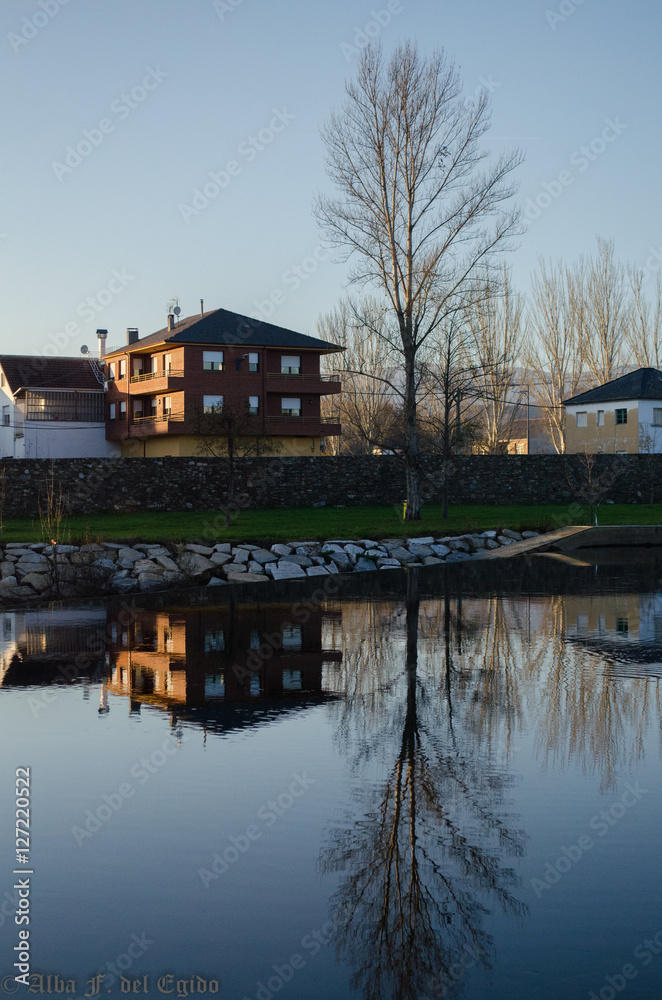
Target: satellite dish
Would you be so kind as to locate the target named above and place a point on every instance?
(84, 349)
(176, 310)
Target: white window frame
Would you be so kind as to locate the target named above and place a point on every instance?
(254, 362)
(288, 404)
(601, 418)
(121, 368)
(112, 371)
(657, 416)
(167, 406)
(6, 416)
(167, 363)
(213, 361)
(212, 404)
(112, 412)
(122, 409)
(138, 409)
(253, 405)
(290, 364)
(581, 418)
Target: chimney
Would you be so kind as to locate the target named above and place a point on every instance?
(101, 342)
(131, 334)
(202, 307)
(171, 321)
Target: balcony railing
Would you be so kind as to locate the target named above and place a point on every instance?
(164, 373)
(302, 420)
(157, 419)
(311, 377)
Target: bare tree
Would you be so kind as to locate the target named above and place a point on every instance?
(495, 326)
(228, 432)
(554, 345)
(416, 211)
(367, 406)
(644, 331)
(606, 312)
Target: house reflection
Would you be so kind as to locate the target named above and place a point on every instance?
(207, 657)
(625, 630)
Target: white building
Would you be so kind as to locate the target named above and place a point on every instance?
(52, 408)
(623, 416)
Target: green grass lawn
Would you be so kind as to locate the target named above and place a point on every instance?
(321, 523)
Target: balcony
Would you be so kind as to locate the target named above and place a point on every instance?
(304, 426)
(153, 382)
(323, 385)
(137, 427)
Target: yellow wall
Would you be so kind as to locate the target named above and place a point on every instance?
(187, 445)
(608, 439)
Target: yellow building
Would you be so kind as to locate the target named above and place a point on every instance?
(622, 417)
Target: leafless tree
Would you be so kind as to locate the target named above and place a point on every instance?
(367, 406)
(554, 344)
(495, 326)
(644, 331)
(418, 211)
(228, 432)
(605, 312)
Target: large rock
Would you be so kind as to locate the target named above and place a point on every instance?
(364, 565)
(458, 545)
(317, 571)
(194, 564)
(220, 558)
(8, 582)
(200, 550)
(505, 540)
(147, 581)
(246, 578)
(299, 560)
(263, 556)
(403, 555)
(420, 551)
(130, 555)
(341, 559)
(423, 540)
(440, 550)
(38, 581)
(509, 533)
(241, 555)
(354, 550)
(6, 569)
(148, 566)
(235, 567)
(166, 562)
(280, 549)
(284, 571)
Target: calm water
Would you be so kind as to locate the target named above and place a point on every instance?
(449, 787)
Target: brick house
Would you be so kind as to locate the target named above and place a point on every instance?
(158, 384)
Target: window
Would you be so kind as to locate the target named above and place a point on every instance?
(167, 363)
(167, 406)
(112, 371)
(52, 405)
(123, 410)
(253, 405)
(622, 624)
(113, 412)
(657, 416)
(154, 363)
(253, 362)
(290, 364)
(137, 367)
(5, 416)
(212, 404)
(152, 406)
(137, 409)
(580, 419)
(212, 361)
(214, 640)
(601, 418)
(290, 406)
(292, 637)
(621, 416)
(121, 368)
(292, 680)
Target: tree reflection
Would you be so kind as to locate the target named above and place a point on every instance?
(424, 858)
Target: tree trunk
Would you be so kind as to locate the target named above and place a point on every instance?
(411, 445)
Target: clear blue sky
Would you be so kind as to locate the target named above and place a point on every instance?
(220, 75)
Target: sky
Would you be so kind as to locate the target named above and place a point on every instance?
(116, 112)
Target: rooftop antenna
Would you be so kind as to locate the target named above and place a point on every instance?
(173, 310)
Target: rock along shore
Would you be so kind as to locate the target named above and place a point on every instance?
(30, 571)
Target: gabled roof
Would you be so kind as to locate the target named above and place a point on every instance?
(28, 371)
(645, 383)
(224, 328)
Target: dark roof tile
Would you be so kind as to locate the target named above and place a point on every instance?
(224, 328)
(645, 383)
(29, 371)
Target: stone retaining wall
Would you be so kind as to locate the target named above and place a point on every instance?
(133, 484)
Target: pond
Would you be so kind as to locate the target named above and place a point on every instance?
(425, 785)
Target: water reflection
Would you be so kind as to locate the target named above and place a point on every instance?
(424, 851)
